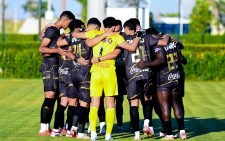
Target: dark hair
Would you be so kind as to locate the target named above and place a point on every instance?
(76, 24)
(67, 14)
(118, 22)
(94, 21)
(109, 22)
(152, 30)
(130, 25)
(135, 21)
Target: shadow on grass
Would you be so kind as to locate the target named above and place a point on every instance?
(195, 126)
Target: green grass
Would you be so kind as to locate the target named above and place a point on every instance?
(21, 100)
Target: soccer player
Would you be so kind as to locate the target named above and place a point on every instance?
(168, 92)
(102, 72)
(49, 68)
(139, 80)
(122, 82)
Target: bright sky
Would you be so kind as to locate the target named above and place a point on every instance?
(157, 6)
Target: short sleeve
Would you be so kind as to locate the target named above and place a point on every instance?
(153, 40)
(51, 33)
(158, 49)
(120, 40)
(69, 38)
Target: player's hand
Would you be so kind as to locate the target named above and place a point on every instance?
(140, 33)
(61, 51)
(82, 61)
(141, 64)
(94, 60)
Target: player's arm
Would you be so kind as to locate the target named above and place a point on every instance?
(94, 41)
(109, 56)
(160, 59)
(181, 58)
(164, 40)
(80, 35)
(130, 47)
(44, 49)
(64, 40)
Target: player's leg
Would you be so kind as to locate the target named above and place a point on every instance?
(119, 112)
(96, 89)
(134, 92)
(50, 80)
(59, 114)
(101, 116)
(179, 113)
(165, 104)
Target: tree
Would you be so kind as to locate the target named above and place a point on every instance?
(84, 9)
(201, 17)
(32, 7)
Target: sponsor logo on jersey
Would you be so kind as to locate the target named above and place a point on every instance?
(64, 71)
(134, 70)
(170, 46)
(174, 76)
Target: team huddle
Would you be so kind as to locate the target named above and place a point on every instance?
(89, 69)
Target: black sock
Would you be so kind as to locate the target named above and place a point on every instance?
(134, 118)
(82, 113)
(119, 110)
(180, 123)
(47, 110)
(101, 112)
(59, 116)
(167, 127)
(75, 117)
(70, 113)
(148, 111)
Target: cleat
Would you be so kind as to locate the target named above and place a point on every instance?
(137, 138)
(70, 134)
(108, 137)
(120, 129)
(149, 131)
(94, 136)
(63, 131)
(182, 134)
(83, 136)
(45, 133)
(161, 134)
(55, 133)
(102, 130)
(168, 137)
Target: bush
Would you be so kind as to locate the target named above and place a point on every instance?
(205, 62)
(20, 37)
(19, 60)
(22, 60)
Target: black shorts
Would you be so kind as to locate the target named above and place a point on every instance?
(65, 80)
(81, 84)
(49, 70)
(121, 80)
(172, 86)
(138, 88)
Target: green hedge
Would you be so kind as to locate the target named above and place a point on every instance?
(19, 60)
(187, 38)
(20, 37)
(22, 60)
(205, 62)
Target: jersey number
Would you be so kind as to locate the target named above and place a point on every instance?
(172, 58)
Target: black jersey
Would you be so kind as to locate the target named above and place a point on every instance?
(80, 49)
(53, 34)
(168, 73)
(143, 51)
